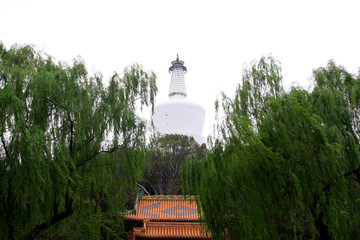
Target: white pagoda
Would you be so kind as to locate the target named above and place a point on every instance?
(178, 115)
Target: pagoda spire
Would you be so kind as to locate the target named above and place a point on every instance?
(177, 83)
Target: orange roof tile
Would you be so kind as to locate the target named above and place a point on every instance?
(164, 208)
(172, 230)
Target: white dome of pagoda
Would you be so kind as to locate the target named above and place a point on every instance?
(178, 115)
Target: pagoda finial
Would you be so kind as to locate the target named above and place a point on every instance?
(177, 83)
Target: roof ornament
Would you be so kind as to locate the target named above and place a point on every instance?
(177, 57)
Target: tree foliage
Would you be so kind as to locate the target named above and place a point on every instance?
(168, 153)
(286, 164)
(69, 146)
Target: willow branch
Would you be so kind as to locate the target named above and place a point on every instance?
(71, 133)
(97, 165)
(4, 145)
(97, 153)
(57, 105)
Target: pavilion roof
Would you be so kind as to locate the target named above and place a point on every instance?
(193, 230)
(164, 208)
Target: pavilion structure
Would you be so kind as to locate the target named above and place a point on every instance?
(165, 217)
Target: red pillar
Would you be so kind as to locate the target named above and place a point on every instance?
(131, 235)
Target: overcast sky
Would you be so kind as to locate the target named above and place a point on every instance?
(214, 38)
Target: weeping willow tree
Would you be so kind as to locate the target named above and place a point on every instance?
(285, 165)
(70, 147)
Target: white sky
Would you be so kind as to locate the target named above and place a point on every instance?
(214, 38)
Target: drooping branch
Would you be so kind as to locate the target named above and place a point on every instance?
(27, 119)
(57, 105)
(44, 226)
(86, 142)
(97, 153)
(356, 172)
(3, 139)
(71, 133)
(4, 146)
(97, 165)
